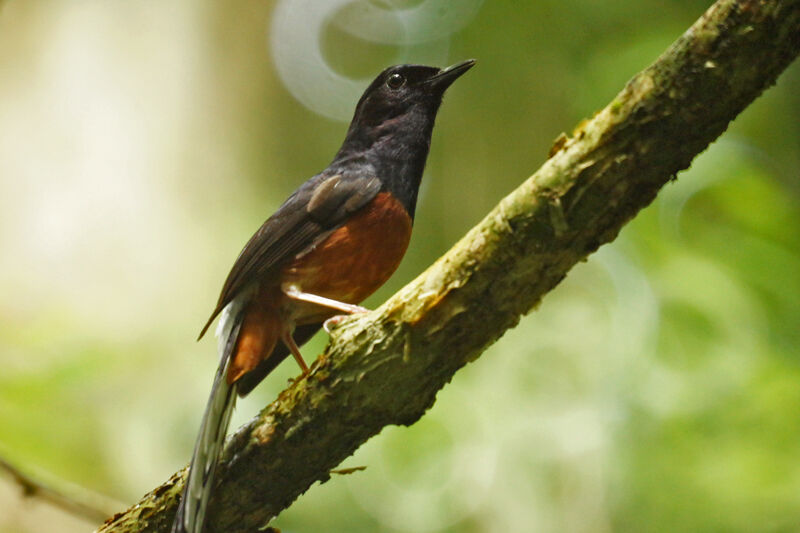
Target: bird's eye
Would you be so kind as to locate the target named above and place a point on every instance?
(395, 81)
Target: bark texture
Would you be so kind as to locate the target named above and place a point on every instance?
(386, 367)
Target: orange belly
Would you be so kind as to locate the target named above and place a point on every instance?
(349, 265)
(354, 261)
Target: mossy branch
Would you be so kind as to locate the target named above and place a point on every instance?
(386, 367)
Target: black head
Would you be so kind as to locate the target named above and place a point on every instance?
(402, 88)
(391, 130)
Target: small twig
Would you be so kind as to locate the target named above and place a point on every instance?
(79, 502)
(348, 471)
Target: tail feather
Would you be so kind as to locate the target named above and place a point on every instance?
(213, 428)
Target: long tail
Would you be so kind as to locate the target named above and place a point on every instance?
(213, 428)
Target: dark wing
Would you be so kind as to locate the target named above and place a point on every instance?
(314, 210)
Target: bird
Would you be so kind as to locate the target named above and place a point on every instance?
(331, 244)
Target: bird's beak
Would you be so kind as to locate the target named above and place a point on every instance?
(445, 77)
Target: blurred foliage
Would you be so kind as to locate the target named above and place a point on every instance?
(656, 389)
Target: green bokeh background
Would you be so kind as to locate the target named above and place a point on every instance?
(141, 143)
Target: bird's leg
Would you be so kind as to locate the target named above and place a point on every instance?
(293, 292)
(288, 340)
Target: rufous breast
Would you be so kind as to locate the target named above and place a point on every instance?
(354, 260)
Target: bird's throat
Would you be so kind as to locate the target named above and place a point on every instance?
(395, 150)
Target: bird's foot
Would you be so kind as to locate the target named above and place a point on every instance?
(334, 321)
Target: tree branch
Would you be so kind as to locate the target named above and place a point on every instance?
(386, 367)
(74, 500)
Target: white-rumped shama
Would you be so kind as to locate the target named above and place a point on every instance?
(331, 244)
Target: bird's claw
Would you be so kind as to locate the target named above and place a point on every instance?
(334, 321)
